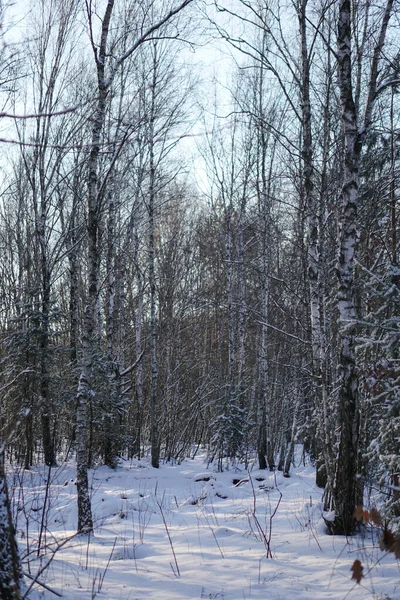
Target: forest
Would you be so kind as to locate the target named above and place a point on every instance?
(199, 241)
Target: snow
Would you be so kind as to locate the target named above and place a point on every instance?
(188, 532)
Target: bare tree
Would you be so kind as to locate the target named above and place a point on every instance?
(106, 69)
(346, 492)
(42, 165)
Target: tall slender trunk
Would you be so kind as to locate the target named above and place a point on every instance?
(314, 243)
(91, 321)
(347, 491)
(90, 333)
(48, 441)
(110, 436)
(290, 452)
(264, 208)
(90, 329)
(393, 200)
(139, 373)
(344, 489)
(110, 268)
(231, 391)
(155, 442)
(73, 275)
(41, 230)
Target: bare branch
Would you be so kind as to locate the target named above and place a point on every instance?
(43, 114)
(144, 38)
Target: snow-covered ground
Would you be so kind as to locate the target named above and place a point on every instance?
(187, 532)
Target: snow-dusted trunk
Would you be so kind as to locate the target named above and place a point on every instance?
(310, 199)
(344, 489)
(90, 337)
(10, 567)
(313, 211)
(347, 489)
(90, 333)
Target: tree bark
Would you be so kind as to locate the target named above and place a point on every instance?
(313, 211)
(347, 491)
(90, 333)
(11, 580)
(155, 443)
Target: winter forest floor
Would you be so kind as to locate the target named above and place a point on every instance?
(187, 532)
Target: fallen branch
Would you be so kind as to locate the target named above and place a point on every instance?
(43, 585)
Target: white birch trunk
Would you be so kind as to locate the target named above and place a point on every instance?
(346, 490)
(314, 242)
(90, 333)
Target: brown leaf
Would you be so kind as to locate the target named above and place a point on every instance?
(366, 516)
(357, 569)
(359, 513)
(387, 541)
(375, 516)
(396, 546)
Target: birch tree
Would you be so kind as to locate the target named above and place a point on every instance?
(107, 65)
(347, 492)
